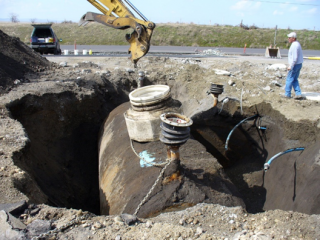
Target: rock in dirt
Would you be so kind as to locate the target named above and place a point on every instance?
(222, 72)
(63, 64)
(6, 230)
(277, 67)
(38, 227)
(14, 208)
(128, 219)
(16, 223)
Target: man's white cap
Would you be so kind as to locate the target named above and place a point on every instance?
(293, 34)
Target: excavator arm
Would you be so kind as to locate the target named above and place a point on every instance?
(117, 15)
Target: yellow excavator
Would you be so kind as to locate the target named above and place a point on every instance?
(117, 15)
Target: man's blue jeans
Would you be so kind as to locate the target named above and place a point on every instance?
(292, 80)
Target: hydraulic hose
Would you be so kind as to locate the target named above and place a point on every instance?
(136, 10)
(267, 164)
(228, 138)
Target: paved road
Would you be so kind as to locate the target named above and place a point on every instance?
(178, 50)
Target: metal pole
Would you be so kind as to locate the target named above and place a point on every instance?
(175, 153)
(275, 35)
(168, 152)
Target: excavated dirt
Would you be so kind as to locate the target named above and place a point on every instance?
(49, 128)
(16, 61)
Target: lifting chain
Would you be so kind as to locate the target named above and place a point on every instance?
(167, 163)
(152, 188)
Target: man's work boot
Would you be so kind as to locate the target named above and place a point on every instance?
(285, 96)
(298, 97)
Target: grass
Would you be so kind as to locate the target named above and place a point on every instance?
(171, 35)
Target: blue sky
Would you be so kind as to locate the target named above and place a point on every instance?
(296, 14)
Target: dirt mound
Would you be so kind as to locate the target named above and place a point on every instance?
(17, 59)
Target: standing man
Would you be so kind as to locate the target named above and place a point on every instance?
(295, 60)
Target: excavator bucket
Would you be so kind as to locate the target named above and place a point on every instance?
(273, 52)
(117, 15)
(140, 38)
(139, 46)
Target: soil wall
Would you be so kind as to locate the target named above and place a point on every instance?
(291, 181)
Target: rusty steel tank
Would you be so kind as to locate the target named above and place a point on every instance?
(143, 176)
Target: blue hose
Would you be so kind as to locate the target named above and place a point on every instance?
(228, 138)
(267, 164)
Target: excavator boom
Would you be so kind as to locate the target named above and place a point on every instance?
(117, 15)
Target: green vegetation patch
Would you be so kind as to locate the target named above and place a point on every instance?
(171, 35)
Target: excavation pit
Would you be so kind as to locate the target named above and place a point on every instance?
(62, 157)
